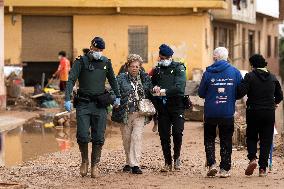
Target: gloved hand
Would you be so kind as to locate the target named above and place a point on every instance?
(116, 102)
(68, 106)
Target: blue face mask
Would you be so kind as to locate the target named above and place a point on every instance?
(97, 55)
(165, 62)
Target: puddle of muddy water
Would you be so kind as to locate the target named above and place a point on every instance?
(34, 139)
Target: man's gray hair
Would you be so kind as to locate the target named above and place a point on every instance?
(221, 53)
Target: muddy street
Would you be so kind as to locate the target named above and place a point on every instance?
(60, 169)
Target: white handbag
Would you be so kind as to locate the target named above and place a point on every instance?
(146, 107)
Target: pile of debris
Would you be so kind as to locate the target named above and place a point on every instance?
(65, 119)
(13, 83)
(239, 137)
(19, 99)
(196, 112)
(23, 103)
(16, 97)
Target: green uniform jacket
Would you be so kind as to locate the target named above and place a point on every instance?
(172, 78)
(91, 75)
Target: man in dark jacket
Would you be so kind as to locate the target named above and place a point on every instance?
(169, 80)
(264, 94)
(218, 86)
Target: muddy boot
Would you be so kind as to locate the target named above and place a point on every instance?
(85, 160)
(95, 159)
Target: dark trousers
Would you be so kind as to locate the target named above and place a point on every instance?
(171, 122)
(260, 125)
(226, 130)
(94, 122)
(62, 85)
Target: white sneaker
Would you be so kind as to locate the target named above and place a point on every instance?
(177, 165)
(224, 173)
(262, 173)
(212, 171)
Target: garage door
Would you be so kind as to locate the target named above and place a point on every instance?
(44, 36)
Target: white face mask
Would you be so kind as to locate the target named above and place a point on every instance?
(165, 62)
(97, 55)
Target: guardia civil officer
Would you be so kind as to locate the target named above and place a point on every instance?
(91, 70)
(169, 79)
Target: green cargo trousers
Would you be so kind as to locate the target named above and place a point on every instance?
(91, 119)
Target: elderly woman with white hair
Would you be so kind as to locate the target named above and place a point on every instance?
(134, 86)
(218, 87)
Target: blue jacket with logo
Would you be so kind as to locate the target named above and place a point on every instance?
(219, 86)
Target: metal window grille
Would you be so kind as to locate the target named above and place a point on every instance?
(268, 46)
(244, 43)
(138, 41)
(251, 42)
(276, 46)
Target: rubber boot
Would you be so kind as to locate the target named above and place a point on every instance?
(95, 159)
(85, 160)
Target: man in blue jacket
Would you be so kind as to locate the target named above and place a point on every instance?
(218, 87)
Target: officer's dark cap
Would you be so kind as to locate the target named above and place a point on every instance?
(98, 42)
(165, 50)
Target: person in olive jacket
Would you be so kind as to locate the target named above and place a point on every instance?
(264, 94)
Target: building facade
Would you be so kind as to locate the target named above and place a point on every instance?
(2, 86)
(249, 27)
(36, 30)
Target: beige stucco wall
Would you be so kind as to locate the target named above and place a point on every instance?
(208, 42)
(185, 34)
(13, 39)
(2, 86)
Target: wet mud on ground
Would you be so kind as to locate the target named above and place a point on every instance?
(60, 169)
